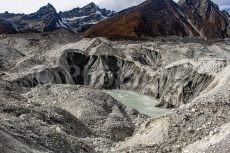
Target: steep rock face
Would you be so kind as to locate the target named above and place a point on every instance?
(206, 17)
(174, 93)
(163, 17)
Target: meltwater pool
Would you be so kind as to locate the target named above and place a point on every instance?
(142, 103)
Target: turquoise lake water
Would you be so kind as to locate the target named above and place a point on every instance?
(142, 103)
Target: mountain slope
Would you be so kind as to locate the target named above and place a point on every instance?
(159, 18)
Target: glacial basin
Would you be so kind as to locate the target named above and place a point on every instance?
(142, 103)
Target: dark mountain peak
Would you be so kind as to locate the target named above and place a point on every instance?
(45, 19)
(50, 6)
(91, 5)
(46, 9)
(78, 12)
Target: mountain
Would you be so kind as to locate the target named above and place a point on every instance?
(149, 19)
(47, 18)
(80, 18)
(165, 17)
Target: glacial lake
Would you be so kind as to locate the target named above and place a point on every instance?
(142, 103)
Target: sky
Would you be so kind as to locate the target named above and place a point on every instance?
(29, 6)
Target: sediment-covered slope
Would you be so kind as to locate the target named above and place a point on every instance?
(37, 128)
(78, 120)
(58, 100)
(102, 114)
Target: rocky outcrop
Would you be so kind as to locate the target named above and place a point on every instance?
(164, 17)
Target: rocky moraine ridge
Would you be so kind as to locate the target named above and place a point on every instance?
(183, 74)
(52, 88)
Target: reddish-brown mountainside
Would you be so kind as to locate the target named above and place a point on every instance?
(164, 17)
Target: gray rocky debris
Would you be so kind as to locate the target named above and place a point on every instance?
(52, 101)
